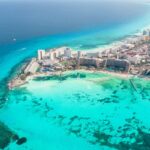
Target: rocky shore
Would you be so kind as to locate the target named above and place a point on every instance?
(7, 136)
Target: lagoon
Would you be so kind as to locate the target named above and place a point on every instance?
(95, 110)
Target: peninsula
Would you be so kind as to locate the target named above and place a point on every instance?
(130, 57)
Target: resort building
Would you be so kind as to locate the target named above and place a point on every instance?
(117, 64)
(41, 54)
(79, 54)
(146, 32)
(32, 67)
(146, 35)
(59, 53)
(91, 62)
(93, 54)
(68, 52)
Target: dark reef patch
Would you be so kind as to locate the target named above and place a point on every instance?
(6, 136)
(16, 69)
(61, 77)
(3, 91)
(22, 141)
(132, 134)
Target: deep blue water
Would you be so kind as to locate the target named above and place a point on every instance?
(25, 20)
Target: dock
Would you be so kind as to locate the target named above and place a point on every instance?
(133, 85)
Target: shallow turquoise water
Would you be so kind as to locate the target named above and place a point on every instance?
(96, 111)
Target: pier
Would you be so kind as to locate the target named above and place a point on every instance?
(133, 85)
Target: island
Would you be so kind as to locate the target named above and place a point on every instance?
(129, 57)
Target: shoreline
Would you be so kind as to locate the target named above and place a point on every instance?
(118, 42)
(100, 56)
(124, 76)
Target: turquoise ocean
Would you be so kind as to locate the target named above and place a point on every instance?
(80, 110)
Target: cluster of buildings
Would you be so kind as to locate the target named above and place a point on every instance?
(56, 59)
(131, 56)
